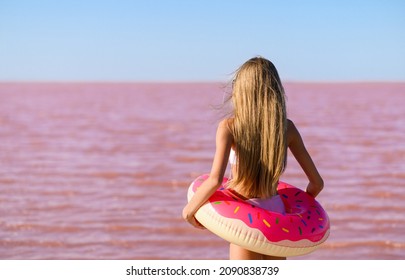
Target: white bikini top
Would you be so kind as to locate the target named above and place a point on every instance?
(232, 157)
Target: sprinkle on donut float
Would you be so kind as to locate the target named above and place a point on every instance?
(300, 230)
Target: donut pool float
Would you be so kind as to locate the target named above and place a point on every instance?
(300, 230)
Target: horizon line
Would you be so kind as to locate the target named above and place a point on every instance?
(190, 81)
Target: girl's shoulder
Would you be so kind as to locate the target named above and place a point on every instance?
(292, 131)
(226, 123)
(290, 124)
(225, 126)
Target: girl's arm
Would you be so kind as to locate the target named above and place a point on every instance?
(224, 142)
(299, 151)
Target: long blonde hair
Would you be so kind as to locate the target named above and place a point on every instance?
(259, 128)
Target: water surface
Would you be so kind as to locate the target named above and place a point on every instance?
(101, 171)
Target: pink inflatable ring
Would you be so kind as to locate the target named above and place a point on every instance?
(301, 230)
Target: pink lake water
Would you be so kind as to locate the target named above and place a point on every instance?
(101, 171)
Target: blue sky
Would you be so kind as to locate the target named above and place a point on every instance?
(206, 40)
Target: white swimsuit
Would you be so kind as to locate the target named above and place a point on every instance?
(232, 157)
(273, 204)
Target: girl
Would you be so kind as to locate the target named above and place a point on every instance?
(255, 140)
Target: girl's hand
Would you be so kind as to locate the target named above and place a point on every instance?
(191, 219)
